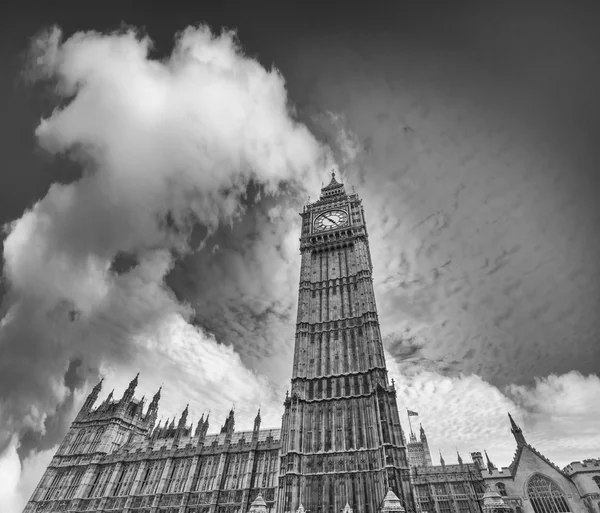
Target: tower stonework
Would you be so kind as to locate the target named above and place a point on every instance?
(341, 436)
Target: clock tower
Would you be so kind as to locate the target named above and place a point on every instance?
(341, 436)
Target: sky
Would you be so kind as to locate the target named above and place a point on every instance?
(156, 159)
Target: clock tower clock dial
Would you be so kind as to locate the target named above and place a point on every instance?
(341, 439)
(330, 220)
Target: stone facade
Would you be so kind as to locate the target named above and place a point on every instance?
(340, 447)
(341, 436)
(586, 476)
(418, 450)
(533, 484)
(114, 459)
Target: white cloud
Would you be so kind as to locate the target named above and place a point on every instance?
(19, 479)
(164, 146)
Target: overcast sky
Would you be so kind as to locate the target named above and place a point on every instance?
(154, 167)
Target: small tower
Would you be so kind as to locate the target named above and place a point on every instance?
(478, 460)
(229, 425)
(128, 394)
(204, 429)
(153, 408)
(460, 461)
(442, 462)
(490, 465)
(183, 418)
(517, 432)
(426, 451)
(256, 427)
(93, 397)
(199, 426)
(180, 431)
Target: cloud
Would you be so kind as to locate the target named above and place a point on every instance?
(20, 477)
(470, 414)
(481, 239)
(169, 150)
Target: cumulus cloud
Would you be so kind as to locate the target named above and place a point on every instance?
(467, 413)
(169, 150)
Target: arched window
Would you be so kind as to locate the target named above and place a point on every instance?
(76, 445)
(597, 481)
(501, 489)
(546, 496)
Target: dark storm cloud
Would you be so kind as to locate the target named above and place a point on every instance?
(478, 189)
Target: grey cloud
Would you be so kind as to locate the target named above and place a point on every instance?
(164, 164)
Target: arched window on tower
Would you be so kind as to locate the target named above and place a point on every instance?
(597, 481)
(501, 489)
(546, 496)
(75, 446)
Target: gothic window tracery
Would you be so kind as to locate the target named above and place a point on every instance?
(501, 489)
(597, 481)
(546, 496)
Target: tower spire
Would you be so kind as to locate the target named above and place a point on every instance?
(490, 465)
(517, 432)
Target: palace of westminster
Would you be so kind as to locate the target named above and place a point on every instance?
(340, 447)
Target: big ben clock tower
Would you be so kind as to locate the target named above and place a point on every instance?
(341, 436)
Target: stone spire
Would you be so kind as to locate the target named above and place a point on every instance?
(183, 418)
(199, 426)
(478, 460)
(152, 412)
(91, 399)
(391, 503)
(460, 461)
(109, 399)
(490, 465)
(128, 395)
(229, 425)
(517, 432)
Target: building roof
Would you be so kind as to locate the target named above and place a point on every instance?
(391, 502)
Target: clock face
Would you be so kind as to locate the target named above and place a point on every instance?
(331, 219)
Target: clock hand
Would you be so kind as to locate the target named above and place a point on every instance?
(329, 219)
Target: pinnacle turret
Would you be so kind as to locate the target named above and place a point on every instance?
(199, 426)
(229, 423)
(128, 395)
(517, 432)
(490, 465)
(183, 418)
(91, 399)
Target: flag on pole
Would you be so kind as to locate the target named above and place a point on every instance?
(412, 413)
